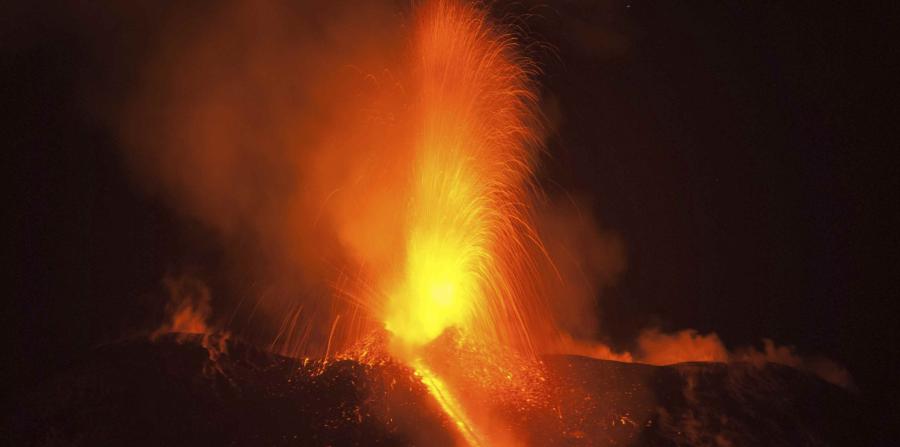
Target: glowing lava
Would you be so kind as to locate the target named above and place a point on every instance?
(469, 241)
(448, 402)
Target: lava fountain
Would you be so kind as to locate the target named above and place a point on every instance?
(469, 241)
(470, 246)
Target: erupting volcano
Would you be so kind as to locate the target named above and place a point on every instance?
(405, 288)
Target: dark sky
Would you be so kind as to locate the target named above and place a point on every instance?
(739, 148)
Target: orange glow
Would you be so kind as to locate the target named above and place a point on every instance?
(468, 233)
(188, 309)
(469, 240)
(448, 402)
(659, 348)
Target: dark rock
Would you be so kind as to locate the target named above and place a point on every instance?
(209, 390)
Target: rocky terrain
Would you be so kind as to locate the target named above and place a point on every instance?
(209, 390)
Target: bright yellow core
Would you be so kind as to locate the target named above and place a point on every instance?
(445, 251)
(436, 293)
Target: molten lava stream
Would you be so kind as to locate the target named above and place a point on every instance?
(451, 406)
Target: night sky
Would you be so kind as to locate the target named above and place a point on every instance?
(740, 149)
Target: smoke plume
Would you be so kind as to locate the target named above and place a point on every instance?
(188, 310)
(276, 124)
(585, 259)
(660, 348)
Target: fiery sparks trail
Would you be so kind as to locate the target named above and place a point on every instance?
(468, 237)
(469, 241)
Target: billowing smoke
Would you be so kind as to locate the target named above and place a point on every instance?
(826, 369)
(277, 124)
(585, 259)
(189, 307)
(687, 345)
(660, 348)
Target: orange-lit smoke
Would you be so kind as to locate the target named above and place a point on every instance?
(284, 127)
(188, 309)
(586, 260)
(659, 348)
